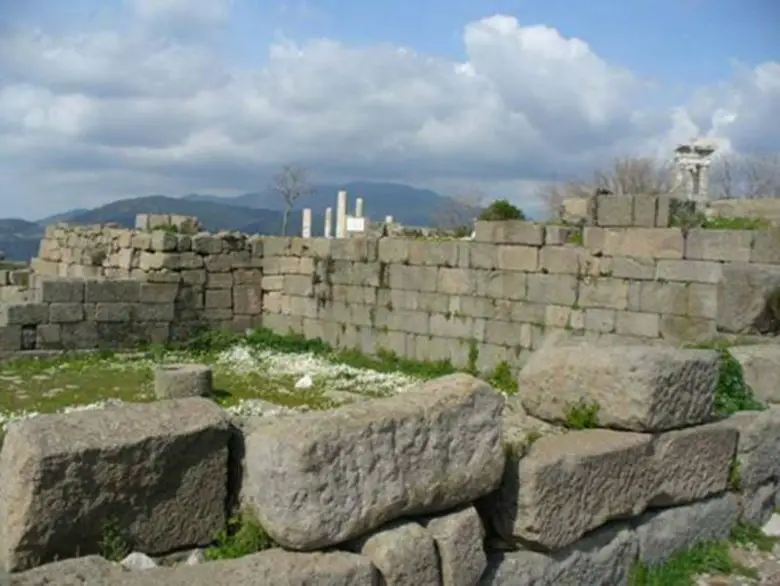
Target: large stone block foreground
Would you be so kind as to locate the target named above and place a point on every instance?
(159, 471)
(322, 479)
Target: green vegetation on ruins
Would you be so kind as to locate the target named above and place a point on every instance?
(712, 557)
(243, 536)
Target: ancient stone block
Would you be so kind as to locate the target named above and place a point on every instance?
(760, 369)
(66, 312)
(603, 557)
(561, 259)
(459, 537)
(447, 429)
(604, 292)
(164, 241)
(665, 533)
(218, 298)
(758, 460)
(393, 250)
(62, 291)
(719, 245)
(181, 381)
(27, 314)
(555, 289)
(155, 312)
(111, 312)
(744, 293)
(613, 210)
(127, 291)
(510, 232)
(273, 566)
(637, 388)
(92, 569)
(696, 271)
(158, 292)
(404, 553)
(145, 466)
(412, 278)
(766, 246)
(631, 323)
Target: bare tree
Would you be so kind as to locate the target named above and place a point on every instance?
(748, 176)
(291, 183)
(628, 176)
(458, 213)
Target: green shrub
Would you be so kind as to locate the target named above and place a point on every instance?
(500, 210)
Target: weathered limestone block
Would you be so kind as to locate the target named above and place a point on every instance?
(563, 486)
(180, 381)
(760, 369)
(459, 538)
(510, 232)
(667, 532)
(81, 571)
(745, 297)
(404, 553)
(756, 505)
(603, 557)
(638, 388)
(145, 466)
(324, 478)
(271, 567)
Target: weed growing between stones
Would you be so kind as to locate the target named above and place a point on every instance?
(113, 545)
(502, 378)
(244, 536)
(712, 557)
(582, 415)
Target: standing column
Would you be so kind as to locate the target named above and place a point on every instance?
(306, 227)
(341, 215)
(359, 207)
(328, 222)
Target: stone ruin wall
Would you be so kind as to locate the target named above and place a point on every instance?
(447, 484)
(506, 291)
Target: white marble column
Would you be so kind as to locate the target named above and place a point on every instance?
(328, 222)
(306, 221)
(341, 215)
(359, 207)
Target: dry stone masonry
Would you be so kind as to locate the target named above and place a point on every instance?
(448, 484)
(626, 278)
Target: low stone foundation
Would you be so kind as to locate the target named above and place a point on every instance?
(447, 484)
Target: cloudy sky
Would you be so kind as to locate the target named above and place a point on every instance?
(103, 99)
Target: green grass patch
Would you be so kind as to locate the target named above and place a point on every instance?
(582, 415)
(243, 536)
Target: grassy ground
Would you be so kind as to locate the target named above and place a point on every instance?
(248, 372)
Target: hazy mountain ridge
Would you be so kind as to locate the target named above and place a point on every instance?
(254, 213)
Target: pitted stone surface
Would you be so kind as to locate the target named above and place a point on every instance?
(179, 381)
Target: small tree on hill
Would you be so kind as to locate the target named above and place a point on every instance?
(500, 210)
(291, 183)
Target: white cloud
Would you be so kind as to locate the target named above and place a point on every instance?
(108, 115)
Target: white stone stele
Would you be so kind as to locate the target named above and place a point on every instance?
(179, 381)
(328, 222)
(306, 223)
(341, 215)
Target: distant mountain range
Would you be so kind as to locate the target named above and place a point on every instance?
(253, 213)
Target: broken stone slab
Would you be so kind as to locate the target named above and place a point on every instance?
(636, 388)
(144, 468)
(321, 479)
(760, 369)
(561, 487)
(270, 567)
(603, 557)
(757, 454)
(664, 533)
(404, 553)
(82, 571)
(459, 537)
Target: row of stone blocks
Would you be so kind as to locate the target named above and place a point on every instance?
(406, 487)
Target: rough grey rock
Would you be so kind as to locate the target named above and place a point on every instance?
(90, 570)
(145, 467)
(404, 553)
(760, 369)
(604, 558)
(667, 532)
(138, 561)
(320, 479)
(459, 537)
(637, 388)
(273, 567)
